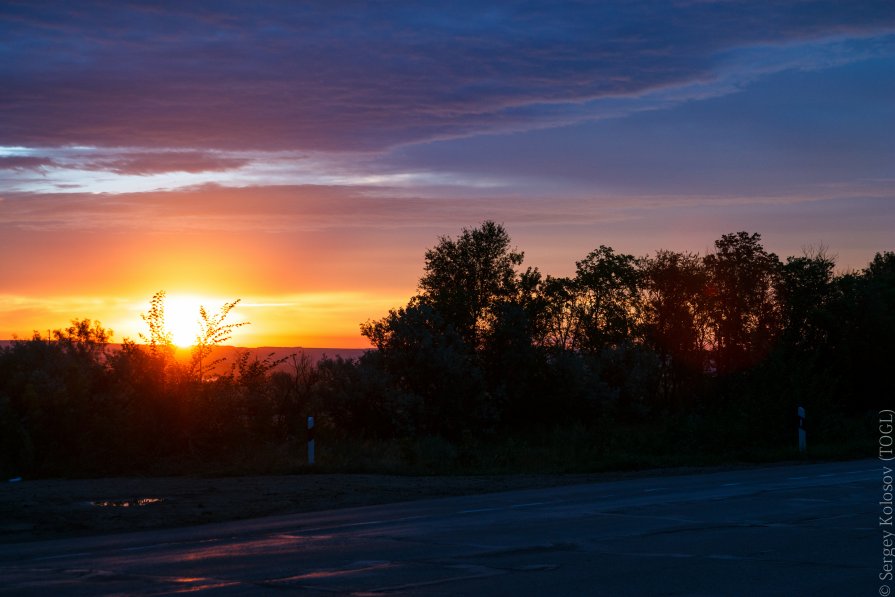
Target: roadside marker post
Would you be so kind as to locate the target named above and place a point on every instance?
(801, 430)
(311, 443)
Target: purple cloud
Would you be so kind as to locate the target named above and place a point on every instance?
(145, 163)
(274, 76)
(24, 162)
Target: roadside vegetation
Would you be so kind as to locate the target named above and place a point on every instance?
(668, 359)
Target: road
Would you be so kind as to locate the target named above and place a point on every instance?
(782, 530)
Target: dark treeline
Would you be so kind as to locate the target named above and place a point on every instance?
(671, 358)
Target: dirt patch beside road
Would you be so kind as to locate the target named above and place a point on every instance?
(52, 508)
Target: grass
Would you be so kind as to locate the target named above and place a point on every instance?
(577, 449)
(570, 449)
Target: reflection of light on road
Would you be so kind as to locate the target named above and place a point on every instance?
(270, 545)
(196, 584)
(358, 568)
(127, 503)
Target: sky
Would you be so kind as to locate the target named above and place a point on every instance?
(301, 156)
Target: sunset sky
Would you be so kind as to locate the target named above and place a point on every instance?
(302, 156)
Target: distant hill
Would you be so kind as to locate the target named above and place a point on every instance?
(230, 353)
(279, 352)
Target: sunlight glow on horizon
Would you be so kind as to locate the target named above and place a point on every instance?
(308, 320)
(182, 318)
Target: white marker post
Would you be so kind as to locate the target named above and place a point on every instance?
(311, 446)
(801, 430)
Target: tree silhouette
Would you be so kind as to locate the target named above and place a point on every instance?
(806, 289)
(560, 325)
(84, 336)
(212, 332)
(709, 355)
(466, 278)
(672, 294)
(741, 304)
(160, 339)
(607, 298)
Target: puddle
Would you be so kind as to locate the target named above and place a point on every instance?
(127, 503)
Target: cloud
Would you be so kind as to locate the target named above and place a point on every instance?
(300, 209)
(293, 209)
(783, 134)
(25, 162)
(146, 163)
(212, 208)
(124, 169)
(277, 76)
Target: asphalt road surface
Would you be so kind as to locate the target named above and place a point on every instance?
(783, 530)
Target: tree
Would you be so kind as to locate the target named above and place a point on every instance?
(862, 334)
(84, 336)
(558, 326)
(212, 332)
(460, 343)
(672, 291)
(428, 361)
(465, 279)
(160, 339)
(607, 300)
(56, 392)
(806, 288)
(741, 305)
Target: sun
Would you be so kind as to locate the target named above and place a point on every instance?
(182, 318)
